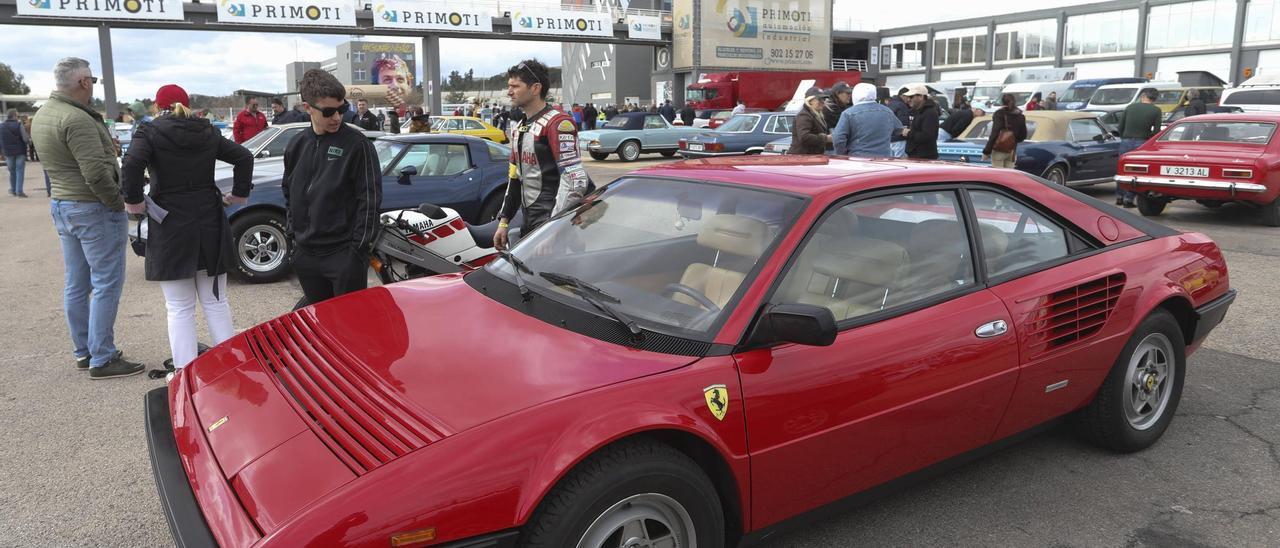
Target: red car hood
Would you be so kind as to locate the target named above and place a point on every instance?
(376, 375)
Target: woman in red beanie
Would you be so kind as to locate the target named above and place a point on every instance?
(188, 236)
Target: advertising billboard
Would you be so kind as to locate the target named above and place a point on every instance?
(430, 15)
(768, 34)
(391, 67)
(682, 34)
(170, 10)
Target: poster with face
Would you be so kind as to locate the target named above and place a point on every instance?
(390, 70)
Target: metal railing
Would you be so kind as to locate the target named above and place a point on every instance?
(859, 65)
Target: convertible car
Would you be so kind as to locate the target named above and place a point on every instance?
(456, 171)
(1065, 147)
(631, 134)
(742, 134)
(694, 355)
(1212, 159)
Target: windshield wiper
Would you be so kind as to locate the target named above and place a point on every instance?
(518, 266)
(596, 297)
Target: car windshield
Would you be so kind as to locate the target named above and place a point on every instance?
(1079, 94)
(1256, 133)
(1021, 98)
(741, 123)
(1114, 96)
(618, 122)
(387, 151)
(261, 139)
(675, 254)
(1169, 97)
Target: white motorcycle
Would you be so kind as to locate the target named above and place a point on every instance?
(430, 240)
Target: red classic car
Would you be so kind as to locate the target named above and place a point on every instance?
(1212, 159)
(699, 354)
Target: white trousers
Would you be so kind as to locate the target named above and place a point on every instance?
(180, 298)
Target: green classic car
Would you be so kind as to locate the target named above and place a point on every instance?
(631, 134)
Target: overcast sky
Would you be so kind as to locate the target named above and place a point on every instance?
(216, 63)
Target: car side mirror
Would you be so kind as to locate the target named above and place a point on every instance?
(263, 154)
(795, 323)
(405, 173)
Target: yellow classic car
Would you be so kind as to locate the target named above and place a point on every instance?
(467, 125)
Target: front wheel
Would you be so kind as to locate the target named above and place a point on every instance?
(1149, 206)
(1138, 398)
(629, 151)
(1056, 175)
(263, 253)
(635, 493)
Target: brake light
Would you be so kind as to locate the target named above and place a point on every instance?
(1238, 173)
(683, 143)
(1135, 168)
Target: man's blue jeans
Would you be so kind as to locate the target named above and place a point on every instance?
(93, 252)
(1126, 145)
(17, 172)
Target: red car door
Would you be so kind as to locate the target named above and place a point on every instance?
(922, 369)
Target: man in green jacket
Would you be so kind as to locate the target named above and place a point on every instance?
(1140, 122)
(88, 212)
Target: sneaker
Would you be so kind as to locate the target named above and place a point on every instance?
(119, 367)
(82, 364)
(23, 195)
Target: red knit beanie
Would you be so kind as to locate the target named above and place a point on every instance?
(169, 94)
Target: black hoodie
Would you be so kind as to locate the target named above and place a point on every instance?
(333, 190)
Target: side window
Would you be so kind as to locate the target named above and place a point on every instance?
(281, 141)
(473, 125)
(881, 253)
(436, 160)
(1013, 235)
(654, 122)
(1084, 130)
(498, 153)
(780, 124)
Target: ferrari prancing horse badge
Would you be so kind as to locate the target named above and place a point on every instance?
(717, 400)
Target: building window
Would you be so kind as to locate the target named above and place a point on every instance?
(1204, 23)
(959, 47)
(1262, 21)
(1103, 33)
(902, 52)
(357, 57)
(1027, 40)
(359, 75)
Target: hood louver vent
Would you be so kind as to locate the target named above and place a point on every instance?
(361, 421)
(1073, 314)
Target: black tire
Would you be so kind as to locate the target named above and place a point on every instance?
(261, 223)
(1148, 206)
(629, 151)
(668, 153)
(1271, 213)
(599, 156)
(1104, 421)
(616, 474)
(491, 208)
(1056, 175)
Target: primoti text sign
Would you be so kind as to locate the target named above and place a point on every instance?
(644, 27)
(400, 14)
(103, 9)
(791, 34)
(561, 22)
(313, 13)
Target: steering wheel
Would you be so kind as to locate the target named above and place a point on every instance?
(692, 294)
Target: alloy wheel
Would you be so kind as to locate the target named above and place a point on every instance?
(648, 520)
(1149, 381)
(262, 248)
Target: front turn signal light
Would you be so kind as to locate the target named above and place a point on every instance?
(411, 538)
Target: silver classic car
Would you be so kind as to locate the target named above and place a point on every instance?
(631, 134)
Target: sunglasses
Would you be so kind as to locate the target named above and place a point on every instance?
(92, 79)
(328, 112)
(526, 68)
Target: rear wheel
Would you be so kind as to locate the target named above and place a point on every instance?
(1138, 398)
(1057, 175)
(263, 253)
(1271, 213)
(599, 156)
(491, 208)
(636, 493)
(1149, 206)
(629, 151)
(668, 153)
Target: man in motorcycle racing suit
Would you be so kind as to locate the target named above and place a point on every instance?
(546, 173)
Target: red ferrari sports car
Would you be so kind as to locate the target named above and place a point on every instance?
(1212, 159)
(700, 354)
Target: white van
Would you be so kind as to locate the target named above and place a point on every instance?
(1022, 92)
(1258, 94)
(1114, 97)
(987, 91)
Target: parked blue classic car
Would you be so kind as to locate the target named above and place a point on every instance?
(742, 134)
(1066, 147)
(631, 134)
(465, 173)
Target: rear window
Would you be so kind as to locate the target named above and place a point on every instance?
(1257, 133)
(1253, 97)
(1118, 96)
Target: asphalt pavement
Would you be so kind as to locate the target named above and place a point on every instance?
(74, 469)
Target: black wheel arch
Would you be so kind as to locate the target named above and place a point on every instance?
(1183, 313)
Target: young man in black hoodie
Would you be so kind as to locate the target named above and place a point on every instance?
(922, 133)
(333, 191)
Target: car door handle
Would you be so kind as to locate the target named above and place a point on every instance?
(991, 329)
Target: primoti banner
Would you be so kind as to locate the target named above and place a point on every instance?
(310, 13)
(561, 22)
(430, 15)
(682, 34)
(169, 10)
(644, 27)
(770, 34)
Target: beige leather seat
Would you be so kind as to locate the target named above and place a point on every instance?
(738, 242)
(855, 276)
(994, 244)
(938, 250)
